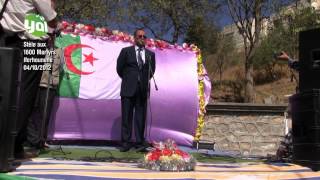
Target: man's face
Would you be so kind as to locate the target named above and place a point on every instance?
(139, 38)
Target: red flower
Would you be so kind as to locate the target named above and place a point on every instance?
(157, 150)
(179, 152)
(182, 153)
(89, 28)
(167, 152)
(64, 24)
(154, 156)
(106, 31)
(185, 155)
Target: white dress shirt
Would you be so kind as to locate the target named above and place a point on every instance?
(143, 54)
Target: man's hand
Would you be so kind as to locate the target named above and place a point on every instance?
(283, 56)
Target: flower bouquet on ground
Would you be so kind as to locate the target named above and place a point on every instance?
(166, 156)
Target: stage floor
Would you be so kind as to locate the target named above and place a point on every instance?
(47, 168)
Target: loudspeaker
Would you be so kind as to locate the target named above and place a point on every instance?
(10, 76)
(306, 128)
(309, 57)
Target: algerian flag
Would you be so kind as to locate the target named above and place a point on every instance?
(90, 67)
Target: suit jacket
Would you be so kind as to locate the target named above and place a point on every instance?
(55, 73)
(128, 70)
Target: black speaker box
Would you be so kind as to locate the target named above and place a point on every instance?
(306, 128)
(10, 65)
(309, 57)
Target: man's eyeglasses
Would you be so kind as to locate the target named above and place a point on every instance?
(142, 36)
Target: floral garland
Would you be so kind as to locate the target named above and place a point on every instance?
(168, 157)
(115, 35)
(201, 96)
(106, 34)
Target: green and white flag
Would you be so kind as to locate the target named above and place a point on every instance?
(90, 67)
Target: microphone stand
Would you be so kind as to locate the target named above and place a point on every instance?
(45, 108)
(150, 72)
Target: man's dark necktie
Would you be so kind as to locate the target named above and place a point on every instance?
(140, 61)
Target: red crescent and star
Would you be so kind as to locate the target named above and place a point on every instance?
(68, 58)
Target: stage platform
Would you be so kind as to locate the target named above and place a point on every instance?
(47, 168)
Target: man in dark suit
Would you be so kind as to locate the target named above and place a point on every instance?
(135, 66)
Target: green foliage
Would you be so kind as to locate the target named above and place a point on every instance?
(204, 35)
(217, 50)
(284, 33)
(169, 20)
(95, 12)
(164, 19)
(283, 36)
(288, 26)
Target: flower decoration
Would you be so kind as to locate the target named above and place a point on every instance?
(64, 24)
(89, 28)
(166, 156)
(115, 32)
(201, 96)
(79, 26)
(106, 31)
(115, 35)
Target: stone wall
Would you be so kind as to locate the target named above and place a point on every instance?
(245, 129)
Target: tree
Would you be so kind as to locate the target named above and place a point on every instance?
(216, 48)
(167, 19)
(225, 49)
(290, 23)
(247, 16)
(96, 12)
(204, 35)
(284, 36)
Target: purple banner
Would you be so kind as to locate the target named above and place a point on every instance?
(172, 112)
